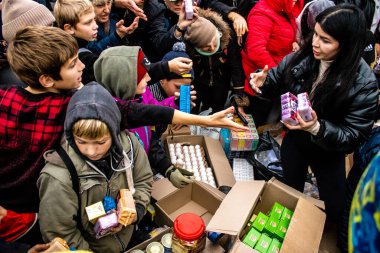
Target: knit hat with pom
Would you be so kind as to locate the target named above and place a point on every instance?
(17, 14)
(179, 50)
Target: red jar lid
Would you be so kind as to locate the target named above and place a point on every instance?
(189, 226)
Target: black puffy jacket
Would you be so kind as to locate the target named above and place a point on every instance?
(344, 125)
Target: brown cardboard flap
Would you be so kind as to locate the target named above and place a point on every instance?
(305, 230)
(235, 208)
(295, 193)
(190, 206)
(162, 188)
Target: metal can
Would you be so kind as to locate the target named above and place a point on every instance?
(137, 251)
(155, 247)
(166, 241)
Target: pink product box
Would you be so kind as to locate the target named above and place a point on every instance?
(189, 9)
(288, 96)
(304, 106)
(104, 224)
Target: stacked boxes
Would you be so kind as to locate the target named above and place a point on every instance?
(184, 98)
(267, 232)
(244, 141)
(290, 104)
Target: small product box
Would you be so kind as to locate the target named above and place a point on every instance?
(260, 222)
(276, 211)
(289, 108)
(189, 9)
(184, 98)
(57, 245)
(280, 231)
(95, 211)
(252, 237)
(104, 225)
(126, 208)
(244, 141)
(271, 226)
(274, 247)
(263, 244)
(286, 215)
(304, 106)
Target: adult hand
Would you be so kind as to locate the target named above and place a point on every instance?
(3, 212)
(39, 248)
(257, 79)
(182, 21)
(180, 65)
(117, 229)
(224, 119)
(295, 47)
(132, 6)
(121, 30)
(240, 25)
(180, 177)
(311, 126)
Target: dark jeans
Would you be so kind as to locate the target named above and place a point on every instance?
(297, 153)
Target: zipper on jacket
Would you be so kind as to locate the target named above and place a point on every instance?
(210, 71)
(124, 248)
(101, 175)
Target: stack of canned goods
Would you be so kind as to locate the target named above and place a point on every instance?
(165, 246)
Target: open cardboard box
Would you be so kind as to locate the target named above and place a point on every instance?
(197, 197)
(210, 247)
(246, 198)
(184, 130)
(214, 154)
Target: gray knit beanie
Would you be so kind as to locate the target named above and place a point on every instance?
(17, 14)
(200, 33)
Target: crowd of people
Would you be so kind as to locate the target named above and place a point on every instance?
(99, 81)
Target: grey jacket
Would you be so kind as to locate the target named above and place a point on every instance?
(59, 202)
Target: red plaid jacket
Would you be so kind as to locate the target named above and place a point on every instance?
(30, 124)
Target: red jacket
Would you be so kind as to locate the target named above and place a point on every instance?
(272, 30)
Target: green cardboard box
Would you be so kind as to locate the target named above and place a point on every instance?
(276, 211)
(252, 237)
(271, 226)
(260, 221)
(286, 215)
(263, 244)
(281, 230)
(274, 247)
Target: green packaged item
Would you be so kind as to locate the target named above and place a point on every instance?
(276, 211)
(286, 215)
(260, 221)
(275, 246)
(252, 237)
(271, 226)
(263, 244)
(281, 230)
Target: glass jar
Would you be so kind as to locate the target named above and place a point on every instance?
(188, 234)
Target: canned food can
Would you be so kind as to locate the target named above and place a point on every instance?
(166, 241)
(155, 247)
(137, 251)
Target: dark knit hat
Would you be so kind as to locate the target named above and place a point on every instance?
(17, 14)
(179, 50)
(200, 33)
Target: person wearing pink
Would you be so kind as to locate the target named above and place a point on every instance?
(272, 31)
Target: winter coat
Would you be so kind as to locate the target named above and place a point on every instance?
(272, 30)
(59, 202)
(344, 125)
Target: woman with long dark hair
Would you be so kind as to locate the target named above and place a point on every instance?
(343, 93)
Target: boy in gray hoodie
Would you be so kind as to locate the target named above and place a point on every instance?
(105, 159)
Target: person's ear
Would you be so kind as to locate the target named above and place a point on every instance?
(46, 81)
(69, 29)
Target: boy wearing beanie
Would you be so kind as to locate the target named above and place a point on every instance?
(106, 160)
(122, 71)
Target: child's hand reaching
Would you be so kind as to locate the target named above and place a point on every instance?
(122, 31)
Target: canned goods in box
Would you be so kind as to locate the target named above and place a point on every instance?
(137, 251)
(166, 241)
(155, 247)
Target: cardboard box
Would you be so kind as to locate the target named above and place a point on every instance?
(184, 130)
(214, 154)
(210, 247)
(198, 198)
(247, 198)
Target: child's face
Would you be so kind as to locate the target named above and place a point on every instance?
(87, 28)
(173, 85)
(102, 12)
(71, 74)
(94, 149)
(141, 87)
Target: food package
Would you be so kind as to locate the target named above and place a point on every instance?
(126, 208)
(57, 245)
(104, 225)
(304, 106)
(289, 109)
(95, 211)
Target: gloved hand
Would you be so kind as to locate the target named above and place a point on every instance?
(179, 177)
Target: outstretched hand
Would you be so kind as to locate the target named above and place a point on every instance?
(121, 30)
(257, 79)
(131, 5)
(224, 119)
